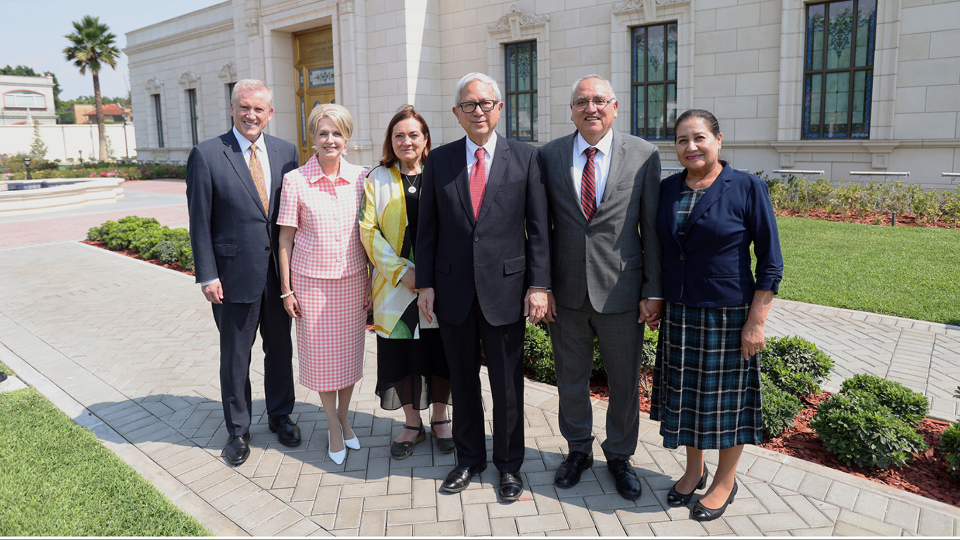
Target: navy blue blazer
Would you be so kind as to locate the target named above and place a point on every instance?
(711, 268)
(493, 258)
(232, 237)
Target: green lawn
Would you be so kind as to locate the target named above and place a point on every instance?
(56, 479)
(911, 272)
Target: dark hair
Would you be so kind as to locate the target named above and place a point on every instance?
(405, 112)
(708, 118)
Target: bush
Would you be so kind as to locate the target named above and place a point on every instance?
(538, 354)
(779, 408)
(950, 447)
(860, 431)
(146, 237)
(795, 365)
(119, 234)
(911, 407)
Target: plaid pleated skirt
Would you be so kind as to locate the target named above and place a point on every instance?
(705, 394)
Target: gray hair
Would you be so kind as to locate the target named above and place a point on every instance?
(250, 85)
(476, 76)
(573, 89)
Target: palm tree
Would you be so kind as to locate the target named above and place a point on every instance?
(92, 46)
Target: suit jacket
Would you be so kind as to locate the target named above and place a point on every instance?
(493, 258)
(231, 234)
(615, 258)
(711, 267)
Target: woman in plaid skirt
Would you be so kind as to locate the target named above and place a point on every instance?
(324, 280)
(706, 383)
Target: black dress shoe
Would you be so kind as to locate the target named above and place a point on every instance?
(511, 486)
(237, 449)
(675, 498)
(702, 513)
(568, 475)
(459, 478)
(628, 485)
(287, 432)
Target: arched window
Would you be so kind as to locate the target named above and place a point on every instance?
(23, 99)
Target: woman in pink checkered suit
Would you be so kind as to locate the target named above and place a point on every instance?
(324, 280)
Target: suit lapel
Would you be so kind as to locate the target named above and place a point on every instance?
(235, 156)
(566, 164)
(276, 180)
(673, 198)
(616, 157)
(458, 163)
(498, 167)
(713, 194)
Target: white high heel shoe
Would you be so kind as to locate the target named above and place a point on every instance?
(337, 457)
(353, 444)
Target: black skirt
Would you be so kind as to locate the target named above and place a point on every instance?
(412, 371)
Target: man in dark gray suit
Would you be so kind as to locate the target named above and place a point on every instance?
(603, 189)
(233, 195)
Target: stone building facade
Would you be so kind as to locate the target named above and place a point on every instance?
(838, 86)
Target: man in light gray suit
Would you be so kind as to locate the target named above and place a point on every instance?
(603, 188)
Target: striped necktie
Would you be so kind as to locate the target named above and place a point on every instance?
(588, 187)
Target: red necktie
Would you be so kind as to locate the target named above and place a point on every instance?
(478, 182)
(588, 188)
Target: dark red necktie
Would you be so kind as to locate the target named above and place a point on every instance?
(478, 182)
(588, 186)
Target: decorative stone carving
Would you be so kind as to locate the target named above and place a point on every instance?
(228, 72)
(253, 26)
(154, 86)
(627, 5)
(515, 20)
(345, 6)
(189, 79)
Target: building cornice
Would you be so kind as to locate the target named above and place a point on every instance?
(193, 33)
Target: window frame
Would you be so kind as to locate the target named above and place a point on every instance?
(193, 115)
(665, 83)
(24, 93)
(158, 110)
(531, 46)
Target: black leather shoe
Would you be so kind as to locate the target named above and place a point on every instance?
(568, 475)
(702, 513)
(459, 478)
(3, 376)
(237, 449)
(287, 432)
(675, 498)
(628, 485)
(511, 486)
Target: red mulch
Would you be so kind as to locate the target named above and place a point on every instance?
(133, 254)
(865, 218)
(926, 475)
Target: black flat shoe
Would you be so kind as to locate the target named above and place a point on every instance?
(675, 498)
(628, 484)
(237, 449)
(511, 486)
(568, 475)
(402, 450)
(702, 513)
(459, 478)
(287, 431)
(445, 445)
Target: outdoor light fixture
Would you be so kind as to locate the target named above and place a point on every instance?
(26, 164)
(81, 157)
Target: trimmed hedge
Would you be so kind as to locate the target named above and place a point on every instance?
(911, 407)
(950, 447)
(779, 408)
(795, 365)
(146, 237)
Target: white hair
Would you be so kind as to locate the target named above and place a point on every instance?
(250, 85)
(476, 76)
(573, 89)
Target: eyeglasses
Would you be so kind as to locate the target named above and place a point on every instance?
(470, 106)
(599, 103)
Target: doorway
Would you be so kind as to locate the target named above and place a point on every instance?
(313, 65)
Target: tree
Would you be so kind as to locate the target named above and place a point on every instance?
(37, 148)
(92, 47)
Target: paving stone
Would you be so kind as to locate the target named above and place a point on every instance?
(608, 524)
(903, 515)
(365, 489)
(303, 527)
(935, 524)
(577, 514)
(349, 513)
(411, 515)
(677, 528)
(868, 524)
(505, 527)
(780, 521)
(741, 525)
(277, 523)
(788, 477)
(476, 520)
(513, 509)
(815, 485)
(400, 530)
(807, 511)
(817, 532)
(442, 528)
(327, 500)
(541, 522)
(842, 495)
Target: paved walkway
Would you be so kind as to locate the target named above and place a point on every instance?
(129, 350)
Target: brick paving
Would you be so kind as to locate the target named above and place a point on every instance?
(129, 350)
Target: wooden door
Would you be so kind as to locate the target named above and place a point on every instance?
(313, 66)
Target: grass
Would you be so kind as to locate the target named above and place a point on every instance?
(904, 271)
(56, 479)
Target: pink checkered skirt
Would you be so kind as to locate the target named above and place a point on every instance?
(330, 330)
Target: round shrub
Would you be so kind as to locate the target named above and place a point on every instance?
(911, 407)
(859, 430)
(795, 365)
(779, 408)
(538, 354)
(950, 448)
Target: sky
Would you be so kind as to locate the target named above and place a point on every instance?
(34, 33)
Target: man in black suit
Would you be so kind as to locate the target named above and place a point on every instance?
(233, 196)
(482, 241)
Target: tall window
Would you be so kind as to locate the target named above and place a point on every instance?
(654, 81)
(192, 103)
(838, 69)
(156, 107)
(229, 102)
(521, 98)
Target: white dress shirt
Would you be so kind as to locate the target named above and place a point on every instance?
(601, 163)
(487, 154)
